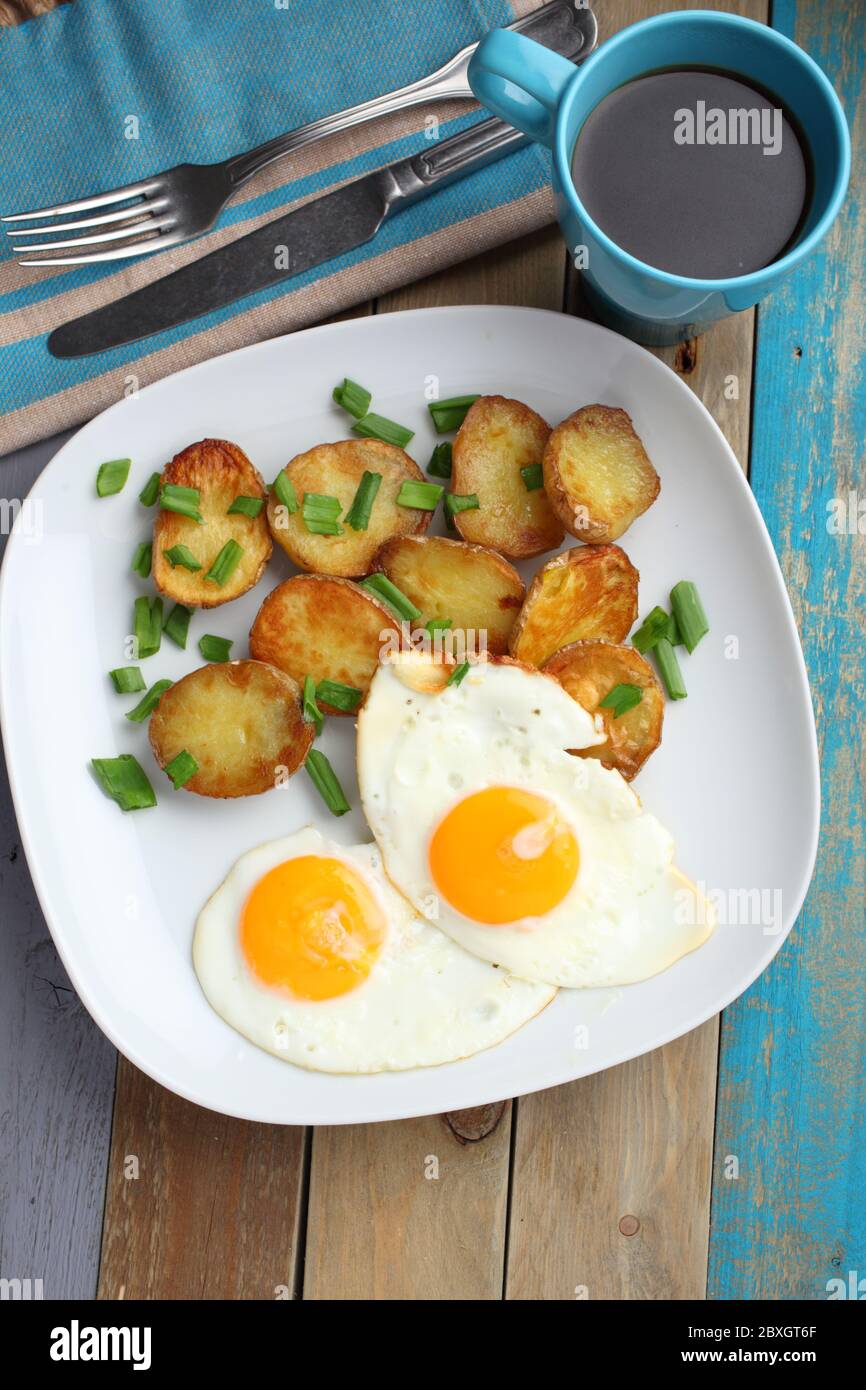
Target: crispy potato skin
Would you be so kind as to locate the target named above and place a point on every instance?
(589, 671)
(479, 590)
(335, 470)
(240, 720)
(587, 591)
(597, 474)
(221, 472)
(313, 625)
(498, 438)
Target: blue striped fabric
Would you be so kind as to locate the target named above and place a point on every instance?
(204, 80)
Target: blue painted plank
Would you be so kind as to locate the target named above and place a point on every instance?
(790, 1109)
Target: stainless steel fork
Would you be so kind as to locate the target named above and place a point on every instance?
(185, 201)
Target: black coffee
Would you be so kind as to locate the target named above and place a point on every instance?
(693, 172)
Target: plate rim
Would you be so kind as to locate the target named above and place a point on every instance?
(492, 1094)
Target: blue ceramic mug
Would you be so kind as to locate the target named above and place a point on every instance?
(549, 99)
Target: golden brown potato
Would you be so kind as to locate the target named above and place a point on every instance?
(589, 671)
(326, 628)
(587, 591)
(221, 472)
(240, 720)
(597, 474)
(497, 439)
(478, 590)
(335, 470)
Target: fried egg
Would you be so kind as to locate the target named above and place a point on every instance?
(528, 857)
(307, 950)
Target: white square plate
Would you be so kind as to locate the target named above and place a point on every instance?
(736, 779)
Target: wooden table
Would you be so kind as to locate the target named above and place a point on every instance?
(728, 1164)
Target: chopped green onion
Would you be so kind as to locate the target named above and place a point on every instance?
(147, 626)
(141, 560)
(127, 680)
(183, 500)
(176, 625)
(621, 699)
(342, 697)
(656, 624)
(450, 414)
(689, 613)
(150, 491)
(215, 648)
(379, 427)
(438, 625)
(320, 514)
(424, 496)
(533, 476)
(669, 669)
(225, 563)
(358, 515)
(324, 779)
(311, 712)
(111, 477)
(125, 781)
(455, 502)
(440, 461)
(381, 586)
(352, 397)
(284, 491)
(458, 674)
(246, 506)
(181, 555)
(181, 768)
(148, 704)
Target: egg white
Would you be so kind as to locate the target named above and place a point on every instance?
(628, 915)
(426, 1001)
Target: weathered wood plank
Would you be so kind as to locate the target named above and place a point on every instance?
(790, 1096)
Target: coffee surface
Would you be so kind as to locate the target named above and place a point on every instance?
(649, 168)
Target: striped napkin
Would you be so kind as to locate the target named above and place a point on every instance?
(99, 93)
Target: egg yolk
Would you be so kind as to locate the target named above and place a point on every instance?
(503, 854)
(312, 928)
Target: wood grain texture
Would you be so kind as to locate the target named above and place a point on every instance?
(791, 1076)
(198, 1205)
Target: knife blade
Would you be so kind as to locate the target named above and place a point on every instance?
(317, 232)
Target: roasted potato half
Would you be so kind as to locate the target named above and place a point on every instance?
(497, 439)
(326, 628)
(240, 720)
(597, 474)
(335, 470)
(220, 471)
(479, 591)
(589, 671)
(587, 591)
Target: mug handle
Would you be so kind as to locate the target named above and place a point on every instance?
(521, 81)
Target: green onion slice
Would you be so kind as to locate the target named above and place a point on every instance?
(284, 491)
(183, 500)
(424, 496)
(458, 674)
(621, 699)
(324, 779)
(440, 461)
(358, 515)
(141, 560)
(456, 502)
(342, 697)
(381, 586)
(176, 625)
(181, 555)
(450, 414)
(246, 506)
(147, 626)
(215, 648)
(655, 625)
(311, 712)
(689, 613)
(320, 514)
(533, 476)
(111, 477)
(669, 669)
(149, 493)
(181, 768)
(225, 563)
(148, 704)
(438, 625)
(125, 781)
(127, 680)
(353, 398)
(374, 426)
